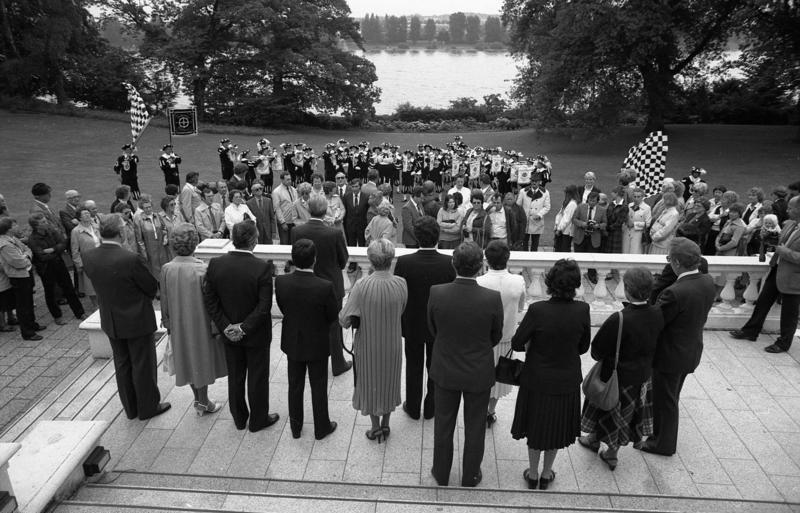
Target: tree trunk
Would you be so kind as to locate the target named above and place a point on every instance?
(656, 87)
(199, 96)
(277, 84)
(8, 37)
(58, 86)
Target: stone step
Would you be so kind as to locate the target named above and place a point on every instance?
(180, 492)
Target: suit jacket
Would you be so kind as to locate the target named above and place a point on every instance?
(309, 306)
(355, 218)
(421, 270)
(49, 214)
(668, 277)
(410, 215)
(580, 219)
(265, 219)
(685, 305)
(209, 219)
(466, 321)
(332, 252)
(238, 289)
(125, 291)
(189, 199)
(788, 271)
(558, 331)
(67, 216)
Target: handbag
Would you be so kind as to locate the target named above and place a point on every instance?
(169, 359)
(508, 370)
(603, 394)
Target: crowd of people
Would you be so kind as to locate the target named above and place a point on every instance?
(433, 311)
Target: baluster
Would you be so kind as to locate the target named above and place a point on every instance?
(600, 288)
(535, 290)
(619, 292)
(751, 292)
(728, 293)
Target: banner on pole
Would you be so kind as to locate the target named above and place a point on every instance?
(139, 116)
(182, 122)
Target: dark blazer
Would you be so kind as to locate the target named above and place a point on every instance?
(421, 270)
(685, 305)
(466, 321)
(332, 252)
(581, 218)
(641, 326)
(238, 289)
(309, 306)
(559, 331)
(125, 291)
(410, 215)
(265, 219)
(355, 219)
(668, 277)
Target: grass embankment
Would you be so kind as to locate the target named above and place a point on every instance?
(78, 153)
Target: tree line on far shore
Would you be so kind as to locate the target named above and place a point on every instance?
(459, 29)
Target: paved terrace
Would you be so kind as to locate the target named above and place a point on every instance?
(739, 437)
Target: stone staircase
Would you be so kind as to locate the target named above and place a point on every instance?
(123, 491)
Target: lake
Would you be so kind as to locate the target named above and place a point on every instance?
(434, 78)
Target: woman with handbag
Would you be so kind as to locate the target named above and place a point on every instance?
(623, 347)
(553, 333)
(512, 292)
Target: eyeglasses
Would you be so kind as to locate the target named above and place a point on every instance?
(340, 177)
(256, 189)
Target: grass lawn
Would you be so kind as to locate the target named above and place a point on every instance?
(78, 153)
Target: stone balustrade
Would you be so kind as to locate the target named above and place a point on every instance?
(605, 297)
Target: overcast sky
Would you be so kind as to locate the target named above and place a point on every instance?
(423, 7)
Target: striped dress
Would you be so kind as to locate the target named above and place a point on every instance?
(378, 300)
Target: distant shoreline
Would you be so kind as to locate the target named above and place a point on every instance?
(427, 47)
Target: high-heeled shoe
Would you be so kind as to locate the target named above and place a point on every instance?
(211, 407)
(386, 432)
(375, 434)
(544, 483)
(610, 461)
(491, 418)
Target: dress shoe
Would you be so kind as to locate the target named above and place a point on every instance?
(347, 366)
(741, 335)
(652, 449)
(35, 336)
(60, 321)
(475, 481)
(161, 408)
(39, 327)
(62, 301)
(544, 483)
(272, 418)
(330, 430)
(296, 433)
(774, 348)
(12, 320)
(405, 409)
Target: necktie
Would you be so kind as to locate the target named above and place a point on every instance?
(213, 219)
(591, 213)
(635, 208)
(258, 202)
(355, 200)
(419, 209)
(341, 192)
(291, 196)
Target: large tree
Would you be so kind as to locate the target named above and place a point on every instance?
(429, 32)
(588, 61)
(284, 52)
(415, 29)
(458, 26)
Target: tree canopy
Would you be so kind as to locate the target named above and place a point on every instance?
(590, 63)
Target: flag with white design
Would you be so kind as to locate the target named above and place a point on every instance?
(649, 160)
(139, 116)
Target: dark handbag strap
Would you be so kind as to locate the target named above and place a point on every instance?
(619, 339)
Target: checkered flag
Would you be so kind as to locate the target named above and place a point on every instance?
(139, 116)
(649, 160)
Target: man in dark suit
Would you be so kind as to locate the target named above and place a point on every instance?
(238, 297)
(783, 279)
(309, 306)
(331, 259)
(412, 211)
(589, 222)
(261, 207)
(421, 270)
(125, 292)
(466, 321)
(356, 204)
(685, 305)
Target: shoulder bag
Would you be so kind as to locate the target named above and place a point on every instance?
(603, 394)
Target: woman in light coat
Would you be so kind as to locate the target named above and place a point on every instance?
(83, 238)
(663, 230)
(639, 219)
(198, 359)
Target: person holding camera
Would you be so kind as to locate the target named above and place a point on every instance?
(589, 223)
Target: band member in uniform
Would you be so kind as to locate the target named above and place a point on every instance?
(227, 158)
(127, 169)
(169, 165)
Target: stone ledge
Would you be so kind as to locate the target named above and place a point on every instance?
(49, 464)
(7, 450)
(98, 340)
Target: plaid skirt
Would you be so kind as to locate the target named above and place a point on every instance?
(630, 421)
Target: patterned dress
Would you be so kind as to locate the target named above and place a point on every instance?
(378, 300)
